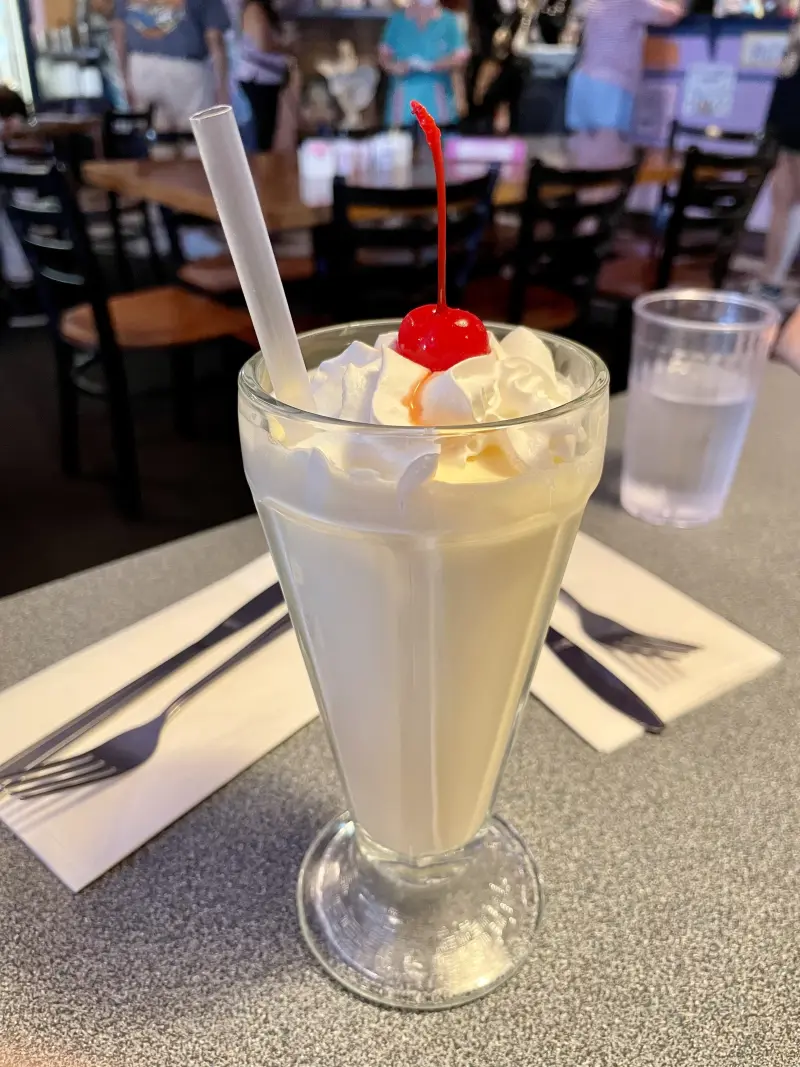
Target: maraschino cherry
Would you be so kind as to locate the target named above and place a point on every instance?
(437, 336)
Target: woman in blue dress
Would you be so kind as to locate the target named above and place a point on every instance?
(422, 49)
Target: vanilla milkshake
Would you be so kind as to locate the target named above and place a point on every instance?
(420, 493)
(421, 524)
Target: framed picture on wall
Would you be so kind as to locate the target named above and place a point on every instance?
(762, 51)
(708, 92)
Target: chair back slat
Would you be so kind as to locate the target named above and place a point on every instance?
(382, 245)
(126, 133)
(171, 142)
(43, 209)
(74, 105)
(715, 196)
(567, 223)
(683, 136)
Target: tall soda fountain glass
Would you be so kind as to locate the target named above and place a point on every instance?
(420, 565)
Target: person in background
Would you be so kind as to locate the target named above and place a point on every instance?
(783, 124)
(262, 69)
(787, 349)
(242, 111)
(423, 48)
(496, 74)
(602, 88)
(16, 276)
(173, 56)
(101, 16)
(12, 106)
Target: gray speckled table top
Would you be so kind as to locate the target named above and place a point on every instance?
(672, 929)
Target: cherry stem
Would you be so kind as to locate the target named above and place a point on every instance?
(433, 135)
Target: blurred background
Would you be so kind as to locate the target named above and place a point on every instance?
(595, 150)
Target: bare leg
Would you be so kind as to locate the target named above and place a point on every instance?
(791, 245)
(783, 237)
(788, 346)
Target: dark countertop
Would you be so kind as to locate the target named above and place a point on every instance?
(672, 932)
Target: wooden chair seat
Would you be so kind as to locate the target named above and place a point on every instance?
(545, 308)
(217, 274)
(156, 318)
(295, 268)
(302, 323)
(627, 277)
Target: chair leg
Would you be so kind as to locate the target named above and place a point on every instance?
(176, 251)
(156, 264)
(123, 441)
(67, 410)
(182, 375)
(123, 265)
(516, 296)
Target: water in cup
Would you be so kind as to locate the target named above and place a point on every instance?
(682, 443)
(697, 360)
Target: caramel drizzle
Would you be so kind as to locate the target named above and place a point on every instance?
(413, 399)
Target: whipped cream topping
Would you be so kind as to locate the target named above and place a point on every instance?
(377, 385)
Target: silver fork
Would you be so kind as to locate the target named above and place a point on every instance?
(130, 749)
(657, 671)
(654, 659)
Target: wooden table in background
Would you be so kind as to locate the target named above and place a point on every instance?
(48, 124)
(181, 184)
(53, 126)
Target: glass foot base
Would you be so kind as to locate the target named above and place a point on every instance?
(427, 935)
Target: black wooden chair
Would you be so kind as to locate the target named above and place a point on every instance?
(178, 144)
(712, 138)
(74, 105)
(714, 198)
(43, 209)
(379, 255)
(709, 138)
(126, 135)
(566, 230)
(711, 205)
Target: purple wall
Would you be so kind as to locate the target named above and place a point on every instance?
(661, 93)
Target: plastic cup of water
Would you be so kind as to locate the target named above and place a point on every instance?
(697, 361)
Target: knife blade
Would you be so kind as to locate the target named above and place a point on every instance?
(603, 682)
(64, 735)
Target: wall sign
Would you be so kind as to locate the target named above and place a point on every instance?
(763, 51)
(708, 91)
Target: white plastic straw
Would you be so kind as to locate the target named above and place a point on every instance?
(235, 195)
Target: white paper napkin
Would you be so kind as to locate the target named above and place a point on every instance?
(608, 584)
(82, 833)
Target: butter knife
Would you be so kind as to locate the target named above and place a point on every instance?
(603, 682)
(64, 735)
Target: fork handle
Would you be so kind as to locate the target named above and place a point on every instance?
(568, 598)
(263, 639)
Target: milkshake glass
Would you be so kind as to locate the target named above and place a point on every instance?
(420, 598)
